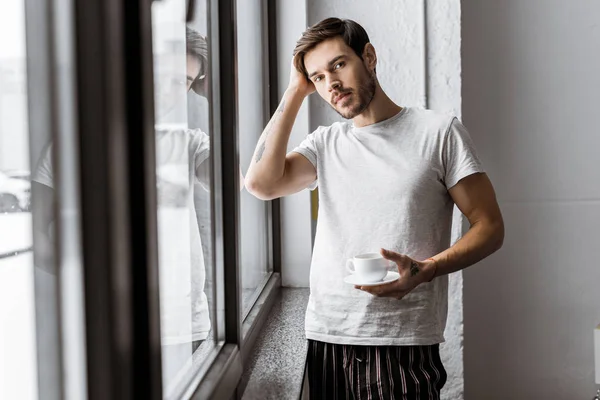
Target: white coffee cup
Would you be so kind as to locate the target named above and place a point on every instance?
(369, 267)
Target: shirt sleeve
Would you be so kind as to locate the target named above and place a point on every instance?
(459, 154)
(308, 148)
(43, 171)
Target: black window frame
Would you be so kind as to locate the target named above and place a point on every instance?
(113, 55)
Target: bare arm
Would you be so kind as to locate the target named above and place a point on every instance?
(273, 173)
(475, 197)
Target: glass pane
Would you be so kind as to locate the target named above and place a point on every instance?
(34, 365)
(183, 174)
(18, 375)
(252, 109)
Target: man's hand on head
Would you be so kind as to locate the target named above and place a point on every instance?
(412, 274)
(299, 82)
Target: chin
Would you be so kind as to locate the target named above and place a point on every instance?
(347, 112)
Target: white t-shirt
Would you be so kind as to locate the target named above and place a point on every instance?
(383, 186)
(180, 160)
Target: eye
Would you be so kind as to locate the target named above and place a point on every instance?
(338, 65)
(317, 79)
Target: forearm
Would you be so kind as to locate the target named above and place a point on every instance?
(268, 163)
(481, 240)
(43, 227)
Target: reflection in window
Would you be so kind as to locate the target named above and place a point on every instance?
(183, 197)
(18, 375)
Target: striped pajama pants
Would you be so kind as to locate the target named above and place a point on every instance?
(338, 371)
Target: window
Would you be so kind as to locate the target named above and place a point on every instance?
(40, 237)
(17, 295)
(182, 80)
(195, 299)
(127, 237)
(253, 113)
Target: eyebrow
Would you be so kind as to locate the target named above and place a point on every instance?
(329, 64)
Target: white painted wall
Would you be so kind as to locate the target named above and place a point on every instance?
(531, 90)
(397, 31)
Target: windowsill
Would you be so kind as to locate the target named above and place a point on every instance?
(275, 369)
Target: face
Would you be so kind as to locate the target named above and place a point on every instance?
(341, 78)
(194, 69)
(170, 85)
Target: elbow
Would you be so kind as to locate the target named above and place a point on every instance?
(498, 235)
(259, 190)
(242, 182)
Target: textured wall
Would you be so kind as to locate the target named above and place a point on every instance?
(444, 94)
(396, 29)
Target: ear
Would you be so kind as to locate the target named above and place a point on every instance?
(370, 57)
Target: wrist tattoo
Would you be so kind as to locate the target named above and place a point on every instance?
(414, 268)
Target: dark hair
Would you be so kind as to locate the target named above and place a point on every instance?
(196, 46)
(353, 34)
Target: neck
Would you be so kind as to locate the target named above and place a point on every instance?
(380, 109)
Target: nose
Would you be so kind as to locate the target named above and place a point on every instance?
(333, 85)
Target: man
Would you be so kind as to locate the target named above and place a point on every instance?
(182, 159)
(388, 180)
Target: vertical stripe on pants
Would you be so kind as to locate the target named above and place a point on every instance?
(374, 372)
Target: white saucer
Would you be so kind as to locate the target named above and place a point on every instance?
(390, 277)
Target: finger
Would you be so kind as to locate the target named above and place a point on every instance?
(392, 255)
(399, 295)
(369, 289)
(379, 290)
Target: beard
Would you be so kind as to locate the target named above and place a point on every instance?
(363, 96)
